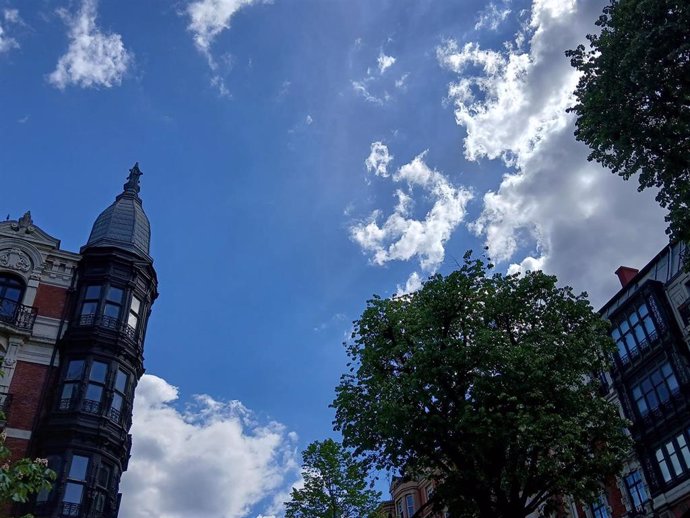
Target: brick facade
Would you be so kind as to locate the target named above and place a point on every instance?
(26, 387)
(50, 300)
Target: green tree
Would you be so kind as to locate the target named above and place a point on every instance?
(23, 478)
(633, 99)
(335, 485)
(483, 383)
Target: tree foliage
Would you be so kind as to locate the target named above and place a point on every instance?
(23, 478)
(484, 384)
(633, 99)
(335, 485)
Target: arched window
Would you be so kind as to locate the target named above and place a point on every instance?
(11, 293)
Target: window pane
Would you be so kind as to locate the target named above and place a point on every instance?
(93, 292)
(99, 370)
(111, 310)
(121, 381)
(75, 370)
(89, 308)
(662, 465)
(117, 402)
(132, 320)
(104, 475)
(68, 390)
(94, 392)
(73, 494)
(643, 309)
(77, 469)
(136, 304)
(633, 319)
(115, 295)
(649, 325)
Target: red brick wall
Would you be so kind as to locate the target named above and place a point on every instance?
(26, 387)
(616, 500)
(18, 448)
(50, 300)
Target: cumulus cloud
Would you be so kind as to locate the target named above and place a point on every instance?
(414, 283)
(384, 62)
(94, 58)
(492, 16)
(212, 459)
(207, 19)
(10, 17)
(400, 236)
(553, 209)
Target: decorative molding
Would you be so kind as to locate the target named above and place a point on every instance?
(15, 259)
(16, 433)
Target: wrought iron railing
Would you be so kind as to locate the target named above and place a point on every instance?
(108, 322)
(91, 407)
(17, 315)
(70, 509)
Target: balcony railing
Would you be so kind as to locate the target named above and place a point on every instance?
(16, 315)
(108, 322)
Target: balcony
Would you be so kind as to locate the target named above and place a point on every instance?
(17, 316)
(108, 322)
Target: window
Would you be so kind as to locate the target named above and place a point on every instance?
(134, 309)
(70, 389)
(656, 389)
(600, 508)
(429, 492)
(634, 332)
(89, 305)
(11, 293)
(409, 503)
(119, 395)
(75, 486)
(94, 388)
(400, 509)
(673, 458)
(636, 489)
(110, 307)
(54, 463)
(102, 486)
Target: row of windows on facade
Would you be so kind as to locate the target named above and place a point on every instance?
(83, 477)
(108, 303)
(86, 383)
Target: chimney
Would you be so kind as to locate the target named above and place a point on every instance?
(626, 274)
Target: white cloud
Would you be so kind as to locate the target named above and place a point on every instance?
(401, 237)
(401, 83)
(384, 62)
(212, 459)
(207, 19)
(94, 58)
(378, 159)
(553, 209)
(492, 16)
(414, 283)
(361, 88)
(309, 120)
(7, 43)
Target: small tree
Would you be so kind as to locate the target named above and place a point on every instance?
(633, 99)
(484, 385)
(335, 485)
(23, 478)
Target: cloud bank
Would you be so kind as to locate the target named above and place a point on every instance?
(553, 209)
(214, 459)
(94, 58)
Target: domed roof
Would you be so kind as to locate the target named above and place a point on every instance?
(124, 224)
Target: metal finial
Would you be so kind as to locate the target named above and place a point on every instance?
(132, 184)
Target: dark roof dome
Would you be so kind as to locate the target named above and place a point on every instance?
(124, 224)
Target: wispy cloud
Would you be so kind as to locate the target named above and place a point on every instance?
(493, 16)
(207, 19)
(400, 236)
(213, 459)
(9, 17)
(94, 58)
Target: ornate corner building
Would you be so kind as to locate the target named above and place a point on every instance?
(650, 381)
(72, 328)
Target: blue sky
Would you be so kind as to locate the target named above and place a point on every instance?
(298, 157)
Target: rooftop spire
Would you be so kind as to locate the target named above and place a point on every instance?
(132, 184)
